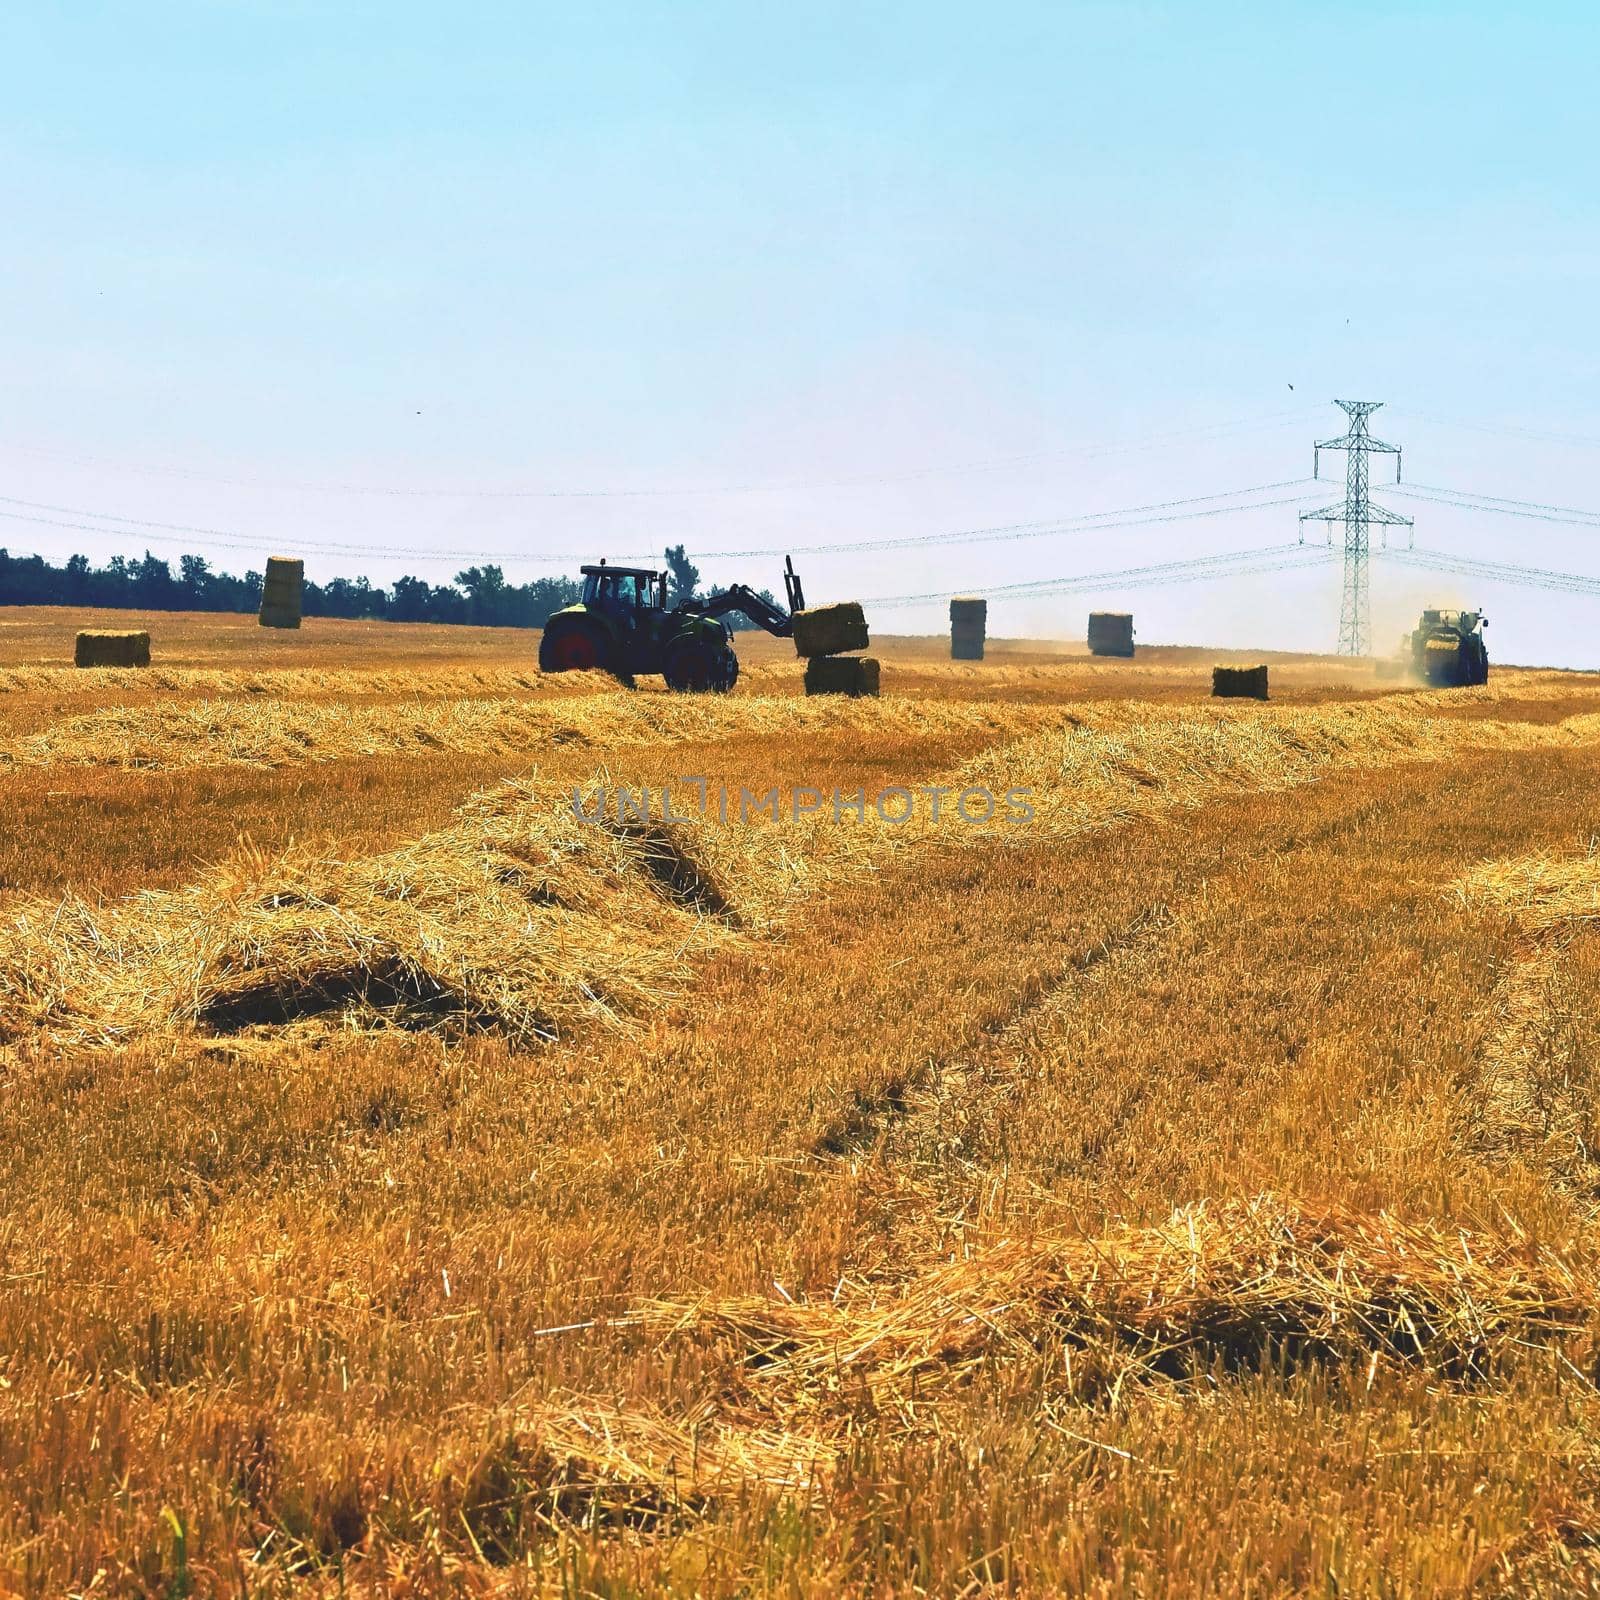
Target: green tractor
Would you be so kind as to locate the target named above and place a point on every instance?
(624, 626)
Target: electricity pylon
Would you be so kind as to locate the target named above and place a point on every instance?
(1357, 512)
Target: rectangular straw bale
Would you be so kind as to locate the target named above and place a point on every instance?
(1111, 633)
(282, 591)
(968, 619)
(1239, 683)
(98, 647)
(829, 630)
(852, 675)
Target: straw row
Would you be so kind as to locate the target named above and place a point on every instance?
(342, 683)
(272, 733)
(518, 917)
(1265, 1282)
(523, 919)
(1217, 1288)
(158, 735)
(1542, 892)
(1230, 1285)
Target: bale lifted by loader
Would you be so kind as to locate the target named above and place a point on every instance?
(624, 626)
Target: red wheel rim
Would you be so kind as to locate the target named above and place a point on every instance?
(575, 652)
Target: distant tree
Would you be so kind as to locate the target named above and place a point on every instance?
(544, 597)
(447, 604)
(683, 576)
(480, 594)
(196, 580)
(408, 600)
(344, 597)
(332, 599)
(77, 575)
(486, 594)
(153, 587)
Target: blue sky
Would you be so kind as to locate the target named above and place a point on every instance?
(748, 276)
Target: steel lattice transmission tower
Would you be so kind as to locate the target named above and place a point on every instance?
(1357, 512)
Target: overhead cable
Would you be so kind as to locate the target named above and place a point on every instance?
(1231, 563)
(1543, 435)
(1090, 450)
(1131, 516)
(1494, 571)
(1466, 500)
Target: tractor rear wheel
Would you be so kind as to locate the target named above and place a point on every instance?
(574, 648)
(695, 666)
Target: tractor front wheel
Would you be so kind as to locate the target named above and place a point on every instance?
(694, 666)
(572, 649)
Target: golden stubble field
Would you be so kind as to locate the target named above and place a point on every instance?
(412, 1188)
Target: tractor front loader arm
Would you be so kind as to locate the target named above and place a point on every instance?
(761, 611)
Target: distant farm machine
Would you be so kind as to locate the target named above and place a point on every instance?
(1447, 648)
(623, 625)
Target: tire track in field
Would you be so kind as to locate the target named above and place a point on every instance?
(1531, 1094)
(927, 1140)
(949, 1160)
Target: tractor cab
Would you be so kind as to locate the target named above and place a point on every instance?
(623, 591)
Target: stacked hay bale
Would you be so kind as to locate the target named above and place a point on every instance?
(281, 592)
(1239, 683)
(969, 616)
(842, 675)
(105, 648)
(824, 635)
(1111, 633)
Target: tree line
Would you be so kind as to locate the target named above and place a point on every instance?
(479, 595)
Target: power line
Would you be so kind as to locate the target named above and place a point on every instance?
(131, 522)
(1130, 516)
(1090, 450)
(1545, 436)
(1235, 563)
(1496, 571)
(1465, 500)
(251, 545)
(1300, 560)
(1092, 522)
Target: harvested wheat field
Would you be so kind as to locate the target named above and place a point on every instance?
(1040, 1131)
